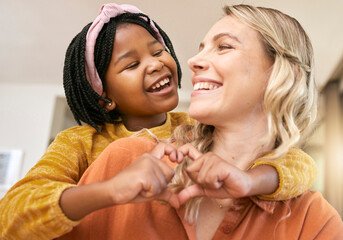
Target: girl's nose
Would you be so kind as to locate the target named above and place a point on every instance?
(197, 62)
(155, 65)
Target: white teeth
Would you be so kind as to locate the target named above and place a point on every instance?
(161, 83)
(204, 85)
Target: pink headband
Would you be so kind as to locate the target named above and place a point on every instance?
(107, 12)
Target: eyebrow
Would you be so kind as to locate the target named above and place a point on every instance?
(226, 34)
(152, 43)
(220, 35)
(127, 54)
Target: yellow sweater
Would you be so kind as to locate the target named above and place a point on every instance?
(30, 209)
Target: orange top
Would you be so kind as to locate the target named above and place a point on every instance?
(307, 217)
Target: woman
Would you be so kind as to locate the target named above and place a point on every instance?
(254, 97)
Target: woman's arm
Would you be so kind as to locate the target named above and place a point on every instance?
(216, 177)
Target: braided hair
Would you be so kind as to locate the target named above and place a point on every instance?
(82, 100)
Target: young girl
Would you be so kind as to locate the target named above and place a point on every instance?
(121, 75)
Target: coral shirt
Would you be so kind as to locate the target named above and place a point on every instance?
(307, 217)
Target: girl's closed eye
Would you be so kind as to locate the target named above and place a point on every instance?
(158, 53)
(132, 65)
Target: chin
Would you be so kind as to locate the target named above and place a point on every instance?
(201, 116)
(172, 104)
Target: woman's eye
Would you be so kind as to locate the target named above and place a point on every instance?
(158, 53)
(224, 47)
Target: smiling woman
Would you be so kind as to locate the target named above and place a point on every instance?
(232, 58)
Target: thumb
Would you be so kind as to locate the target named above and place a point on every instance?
(189, 193)
(169, 197)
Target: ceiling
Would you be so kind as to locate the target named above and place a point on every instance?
(36, 33)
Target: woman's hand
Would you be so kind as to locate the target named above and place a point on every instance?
(145, 179)
(214, 177)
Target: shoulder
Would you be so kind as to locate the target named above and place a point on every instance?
(117, 156)
(134, 142)
(131, 146)
(77, 132)
(316, 202)
(320, 218)
(312, 204)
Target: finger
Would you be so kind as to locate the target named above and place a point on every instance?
(190, 192)
(194, 168)
(150, 187)
(162, 149)
(167, 171)
(160, 176)
(173, 156)
(190, 151)
(203, 166)
(212, 181)
(170, 197)
(180, 156)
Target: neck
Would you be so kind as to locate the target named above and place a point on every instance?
(136, 123)
(240, 143)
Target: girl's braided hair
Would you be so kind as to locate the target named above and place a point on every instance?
(83, 101)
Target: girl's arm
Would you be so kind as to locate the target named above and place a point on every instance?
(30, 209)
(296, 172)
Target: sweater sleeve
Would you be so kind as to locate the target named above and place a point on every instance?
(30, 209)
(297, 172)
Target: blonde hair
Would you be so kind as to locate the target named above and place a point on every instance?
(290, 99)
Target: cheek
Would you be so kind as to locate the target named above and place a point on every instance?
(116, 90)
(170, 63)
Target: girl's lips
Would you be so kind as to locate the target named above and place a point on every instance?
(158, 86)
(160, 83)
(163, 86)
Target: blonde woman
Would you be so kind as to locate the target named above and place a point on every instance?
(254, 97)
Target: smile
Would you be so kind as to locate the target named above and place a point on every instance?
(204, 86)
(161, 84)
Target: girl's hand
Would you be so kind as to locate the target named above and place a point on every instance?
(213, 176)
(145, 179)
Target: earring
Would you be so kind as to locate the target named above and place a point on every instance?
(109, 104)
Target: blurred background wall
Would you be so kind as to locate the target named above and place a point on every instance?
(34, 36)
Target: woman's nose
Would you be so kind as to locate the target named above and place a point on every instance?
(197, 62)
(155, 65)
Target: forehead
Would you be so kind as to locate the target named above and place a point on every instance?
(128, 31)
(232, 27)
